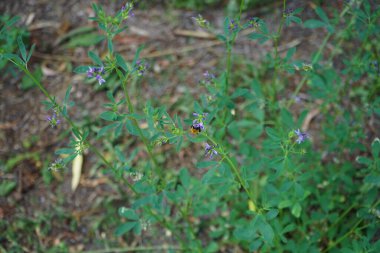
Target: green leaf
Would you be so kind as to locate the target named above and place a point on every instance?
(70, 158)
(375, 148)
(330, 29)
(255, 245)
(110, 45)
(272, 214)
(221, 38)
(137, 55)
(6, 187)
(363, 160)
(105, 129)
(81, 69)
(95, 58)
(273, 134)
(22, 48)
(109, 116)
(289, 228)
(128, 213)
(27, 83)
(284, 204)
(205, 164)
(84, 40)
(137, 229)
(184, 177)
(65, 151)
(207, 177)
(262, 38)
(179, 144)
(121, 63)
(67, 96)
(290, 53)
(9, 23)
(239, 92)
(14, 57)
(296, 210)
(265, 230)
(131, 128)
(322, 14)
(124, 228)
(244, 233)
(296, 20)
(313, 23)
(372, 179)
(30, 52)
(226, 26)
(287, 118)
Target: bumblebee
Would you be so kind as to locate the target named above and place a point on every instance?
(195, 129)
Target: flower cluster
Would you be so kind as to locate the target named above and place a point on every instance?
(145, 224)
(97, 73)
(53, 120)
(126, 11)
(140, 67)
(201, 21)
(198, 125)
(307, 67)
(288, 12)
(254, 22)
(208, 76)
(233, 26)
(136, 176)
(301, 136)
(57, 165)
(210, 151)
(161, 141)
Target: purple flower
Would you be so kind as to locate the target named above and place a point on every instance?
(297, 99)
(210, 151)
(233, 26)
(301, 137)
(90, 72)
(100, 70)
(200, 115)
(100, 79)
(53, 120)
(140, 67)
(126, 10)
(208, 76)
(254, 22)
(197, 124)
(288, 12)
(97, 72)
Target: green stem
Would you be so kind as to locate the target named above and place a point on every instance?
(333, 244)
(319, 52)
(229, 63)
(71, 123)
(134, 121)
(185, 214)
(235, 171)
(241, 9)
(342, 216)
(278, 34)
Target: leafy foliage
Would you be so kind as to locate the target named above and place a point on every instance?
(265, 185)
